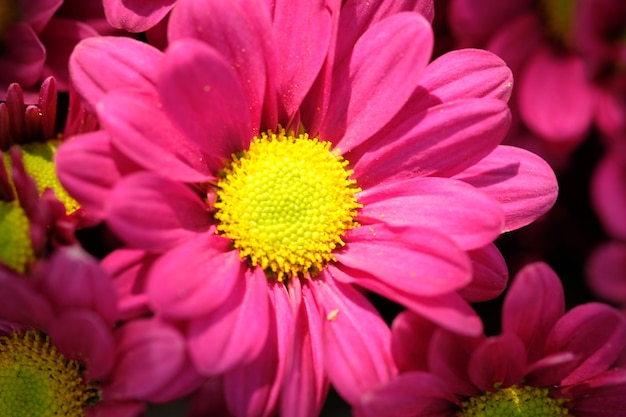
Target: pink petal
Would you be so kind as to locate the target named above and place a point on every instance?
(410, 341)
(441, 141)
(142, 131)
(523, 183)
(129, 63)
(241, 32)
(153, 213)
(606, 269)
(202, 95)
(608, 195)
(136, 15)
(408, 394)
(469, 217)
(226, 339)
(84, 336)
(356, 340)
(23, 56)
(414, 260)
(37, 13)
(200, 291)
(555, 99)
(20, 306)
(372, 86)
(602, 396)
(490, 275)
(532, 305)
(498, 360)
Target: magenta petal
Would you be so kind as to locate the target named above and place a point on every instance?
(441, 141)
(204, 98)
(517, 40)
(490, 275)
(210, 270)
(555, 100)
(20, 305)
(602, 396)
(532, 305)
(522, 182)
(84, 336)
(500, 360)
(410, 341)
(129, 63)
(605, 271)
(383, 71)
(468, 216)
(152, 213)
(142, 131)
(356, 340)
(23, 56)
(236, 332)
(408, 394)
(136, 15)
(608, 195)
(594, 331)
(38, 13)
(410, 259)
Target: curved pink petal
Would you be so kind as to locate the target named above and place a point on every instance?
(241, 32)
(356, 340)
(608, 195)
(22, 58)
(606, 272)
(84, 336)
(194, 278)
(203, 97)
(410, 341)
(441, 141)
(408, 394)
(532, 305)
(490, 275)
(136, 15)
(555, 98)
(414, 260)
(523, 183)
(129, 63)
(152, 213)
(518, 40)
(20, 305)
(38, 13)
(382, 72)
(236, 332)
(452, 208)
(142, 131)
(601, 396)
(499, 360)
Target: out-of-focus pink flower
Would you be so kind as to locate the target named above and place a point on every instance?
(606, 272)
(545, 362)
(136, 15)
(37, 38)
(249, 235)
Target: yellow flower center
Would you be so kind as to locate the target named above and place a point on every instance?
(286, 203)
(38, 158)
(514, 401)
(558, 16)
(16, 249)
(36, 380)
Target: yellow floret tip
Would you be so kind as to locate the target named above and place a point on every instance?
(16, 248)
(286, 203)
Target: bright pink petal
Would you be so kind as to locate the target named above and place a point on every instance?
(469, 217)
(202, 95)
(608, 195)
(142, 131)
(498, 360)
(523, 183)
(606, 272)
(490, 275)
(129, 63)
(136, 15)
(372, 86)
(441, 141)
(236, 332)
(410, 259)
(356, 340)
(532, 305)
(555, 99)
(410, 341)
(152, 213)
(194, 278)
(241, 32)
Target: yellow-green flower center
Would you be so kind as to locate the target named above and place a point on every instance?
(286, 203)
(38, 158)
(16, 249)
(36, 380)
(514, 401)
(559, 17)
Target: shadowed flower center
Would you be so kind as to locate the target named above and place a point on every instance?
(36, 380)
(16, 249)
(38, 158)
(514, 401)
(286, 203)
(559, 17)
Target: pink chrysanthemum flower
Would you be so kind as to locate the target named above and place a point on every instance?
(545, 363)
(259, 169)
